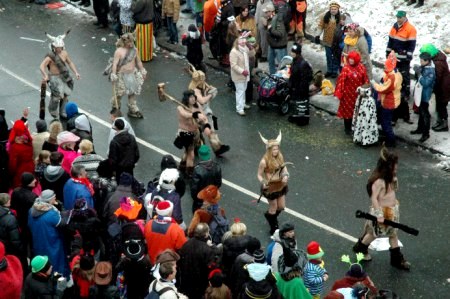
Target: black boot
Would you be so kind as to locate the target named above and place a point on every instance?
(398, 260)
(363, 248)
(348, 126)
(442, 127)
(272, 220)
(411, 2)
(420, 4)
(437, 124)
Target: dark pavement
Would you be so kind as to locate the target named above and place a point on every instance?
(329, 174)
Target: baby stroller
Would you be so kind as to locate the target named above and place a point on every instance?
(273, 89)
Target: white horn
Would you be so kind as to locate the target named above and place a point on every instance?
(266, 142)
(52, 38)
(65, 33)
(279, 137)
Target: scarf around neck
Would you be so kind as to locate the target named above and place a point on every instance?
(86, 182)
(350, 41)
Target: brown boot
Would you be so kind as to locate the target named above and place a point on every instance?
(363, 248)
(398, 260)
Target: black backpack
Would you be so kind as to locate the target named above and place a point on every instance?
(154, 294)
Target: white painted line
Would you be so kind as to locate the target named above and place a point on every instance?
(32, 39)
(225, 182)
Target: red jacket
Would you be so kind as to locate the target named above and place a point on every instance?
(349, 281)
(20, 161)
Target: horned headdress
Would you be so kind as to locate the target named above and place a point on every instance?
(271, 142)
(57, 41)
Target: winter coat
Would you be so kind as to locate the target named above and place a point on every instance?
(11, 278)
(104, 292)
(389, 90)
(195, 257)
(43, 222)
(237, 66)
(38, 142)
(362, 47)
(113, 202)
(313, 278)
(205, 173)
(48, 146)
(161, 235)
(123, 151)
(10, 233)
(232, 248)
(54, 178)
(82, 279)
(20, 161)
(259, 290)
(73, 191)
(137, 276)
(277, 250)
(351, 77)
(328, 29)
(113, 132)
(402, 40)
(277, 36)
(87, 224)
(338, 41)
(143, 11)
(194, 50)
(427, 79)
(239, 275)
(90, 163)
(37, 286)
(349, 281)
(301, 76)
(22, 199)
(171, 8)
(69, 156)
(442, 85)
(292, 289)
(209, 14)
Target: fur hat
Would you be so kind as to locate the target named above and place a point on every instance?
(271, 142)
(313, 250)
(164, 208)
(335, 4)
(204, 153)
(71, 109)
(66, 136)
(27, 179)
(103, 273)
(57, 41)
(19, 129)
(210, 194)
(169, 175)
(46, 196)
(41, 126)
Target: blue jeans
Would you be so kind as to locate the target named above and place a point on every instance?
(273, 54)
(173, 32)
(386, 124)
(332, 62)
(189, 4)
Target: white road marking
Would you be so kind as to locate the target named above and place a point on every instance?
(32, 39)
(225, 182)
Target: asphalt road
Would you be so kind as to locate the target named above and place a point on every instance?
(328, 178)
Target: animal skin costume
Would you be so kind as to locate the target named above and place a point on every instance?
(61, 85)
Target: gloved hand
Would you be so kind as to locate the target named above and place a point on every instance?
(317, 39)
(245, 73)
(114, 77)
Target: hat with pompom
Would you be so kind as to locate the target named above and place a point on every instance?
(314, 251)
(164, 208)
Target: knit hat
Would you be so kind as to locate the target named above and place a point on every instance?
(314, 251)
(335, 4)
(259, 257)
(103, 273)
(119, 124)
(210, 194)
(425, 56)
(401, 14)
(71, 109)
(19, 129)
(167, 255)
(125, 179)
(253, 244)
(168, 161)
(40, 263)
(129, 208)
(87, 262)
(4, 198)
(169, 175)
(41, 126)
(391, 62)
(27, 178)
(204, 153)
(66, 136)
(430, 49)
(164, 208)
(46, 196)
(284, 228)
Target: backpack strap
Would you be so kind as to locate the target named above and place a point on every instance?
(163, 290)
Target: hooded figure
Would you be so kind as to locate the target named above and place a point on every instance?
(20, 152)
(11, 275)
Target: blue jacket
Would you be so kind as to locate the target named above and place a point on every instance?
(43, 221)
(313, 278)
(73, 191)
(427, 80)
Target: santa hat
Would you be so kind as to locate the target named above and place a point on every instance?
(314, 251)
(164, 208)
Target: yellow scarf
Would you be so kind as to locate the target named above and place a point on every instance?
(350, 41)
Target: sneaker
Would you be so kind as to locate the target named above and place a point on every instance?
(136, 114)
(247, 106)
(241, 113)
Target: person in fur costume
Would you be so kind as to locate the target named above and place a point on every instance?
(211, 197)
(205, 93)
(353, 75)
(11, 275)
(365, 128)
(56, 73)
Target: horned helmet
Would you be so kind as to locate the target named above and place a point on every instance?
(271, 142)
(57, 41)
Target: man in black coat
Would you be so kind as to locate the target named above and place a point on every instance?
(9, 228)
(301, 76)
(196, 255)
(123, 150)
(54, 176)
(206, 172)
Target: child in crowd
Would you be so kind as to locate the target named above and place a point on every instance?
(315, 273)
(42, 161)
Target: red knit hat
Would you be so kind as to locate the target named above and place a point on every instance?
(314, 251)
(164, 208)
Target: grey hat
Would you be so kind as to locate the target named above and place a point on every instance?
(269, 7)
(47, 195)
(41, 126)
